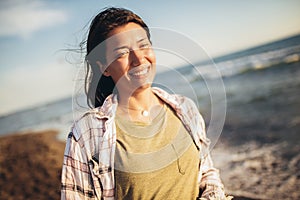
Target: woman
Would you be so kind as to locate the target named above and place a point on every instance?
(138, 142)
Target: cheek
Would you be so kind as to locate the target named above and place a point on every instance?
(119, 64)
(117, 69)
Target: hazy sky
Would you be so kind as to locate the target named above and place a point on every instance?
(34, 70)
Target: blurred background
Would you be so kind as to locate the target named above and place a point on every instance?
(255, 45)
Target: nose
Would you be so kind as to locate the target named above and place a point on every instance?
(137, 57)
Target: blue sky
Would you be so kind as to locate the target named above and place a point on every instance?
(34, 70)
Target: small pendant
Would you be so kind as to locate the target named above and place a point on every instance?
(145, 113)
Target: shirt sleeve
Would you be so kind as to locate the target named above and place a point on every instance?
(211, 186)
(76, 179)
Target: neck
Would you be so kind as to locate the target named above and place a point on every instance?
(139, 99)
(141, 105)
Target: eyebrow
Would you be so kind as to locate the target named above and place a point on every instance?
(124, 47)
(141, 40)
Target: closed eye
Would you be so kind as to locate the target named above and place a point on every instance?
(122, 53)
(145, 45)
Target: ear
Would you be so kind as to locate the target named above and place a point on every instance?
(103, 68)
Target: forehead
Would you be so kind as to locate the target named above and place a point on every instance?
(130, 32)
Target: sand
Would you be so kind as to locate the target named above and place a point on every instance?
(30, 166)
(260, 171)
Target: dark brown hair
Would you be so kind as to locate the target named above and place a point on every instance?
(98, 87)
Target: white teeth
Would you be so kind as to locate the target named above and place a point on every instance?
(140, 73)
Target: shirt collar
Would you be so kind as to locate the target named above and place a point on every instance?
(110, 104)
(108, 108)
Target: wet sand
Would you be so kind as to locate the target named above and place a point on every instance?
(259, 151)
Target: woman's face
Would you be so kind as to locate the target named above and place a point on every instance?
(130, 58)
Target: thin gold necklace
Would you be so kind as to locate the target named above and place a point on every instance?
(143, 112)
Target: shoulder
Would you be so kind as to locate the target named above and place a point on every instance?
(86, 135)
(188, 112)
(92, 122)
(88, 121)
(178, 102)
(175, 100)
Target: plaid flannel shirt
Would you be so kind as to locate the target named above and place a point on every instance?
(88, 167)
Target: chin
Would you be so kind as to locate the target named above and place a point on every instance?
(140, 86)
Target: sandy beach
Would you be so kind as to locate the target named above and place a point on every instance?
(31, 166)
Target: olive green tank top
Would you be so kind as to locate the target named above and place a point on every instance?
(155, 161)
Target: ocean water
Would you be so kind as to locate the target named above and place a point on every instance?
(249, 75)
(56, 115)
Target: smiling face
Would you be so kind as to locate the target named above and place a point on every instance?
(130, 58)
